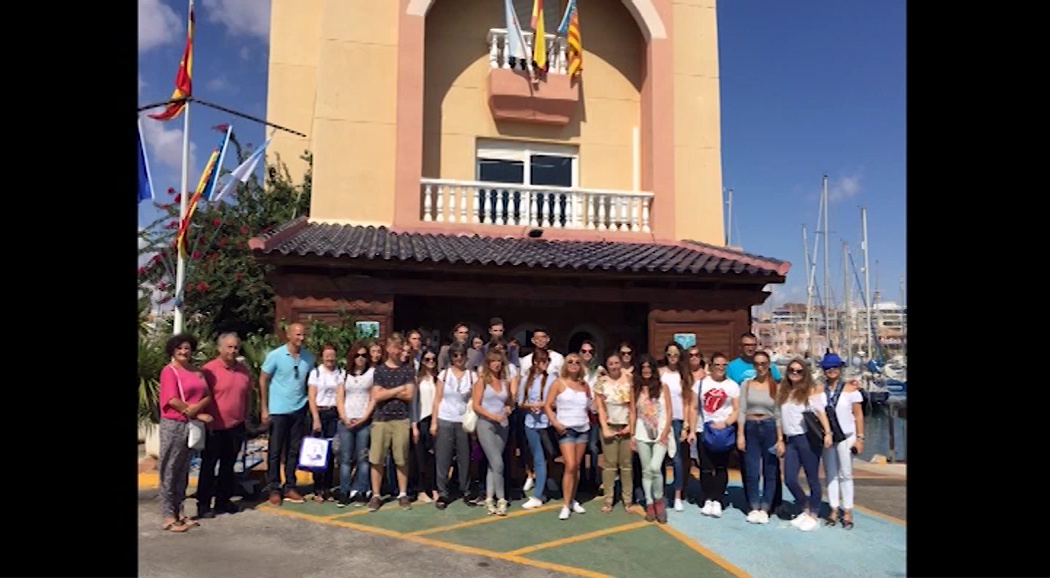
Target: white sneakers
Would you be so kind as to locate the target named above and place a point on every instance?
(679, 505)
(530, 483)
(753, 516)
(712, 508)
(532, 503)
(576, 507)
(805, 522)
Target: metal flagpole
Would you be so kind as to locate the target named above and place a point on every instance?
(180, 265)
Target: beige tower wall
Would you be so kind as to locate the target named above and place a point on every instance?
(697, 134)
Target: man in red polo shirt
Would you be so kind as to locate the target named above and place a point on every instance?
(230, 383)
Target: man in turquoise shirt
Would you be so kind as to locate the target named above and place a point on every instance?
(743, 367)
(282, 396)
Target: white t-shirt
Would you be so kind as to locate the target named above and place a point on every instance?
(717, 398)
(358, 390)
(326, 382)
(425, 394)
(454, 394)
(791, 414)
(844, 410)
(553, 366)
(673, 381)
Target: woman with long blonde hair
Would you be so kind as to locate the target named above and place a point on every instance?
(797, 394)
(568, 407)
(493, 401)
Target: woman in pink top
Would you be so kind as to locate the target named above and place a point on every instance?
(183, 394)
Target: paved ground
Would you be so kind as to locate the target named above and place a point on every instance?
(322, 540)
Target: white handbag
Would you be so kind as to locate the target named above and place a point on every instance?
(195, 433)
(470, 418)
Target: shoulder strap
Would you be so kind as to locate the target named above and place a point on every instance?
(178, 382)
(834, 400)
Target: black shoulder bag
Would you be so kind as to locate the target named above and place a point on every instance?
(833, 418)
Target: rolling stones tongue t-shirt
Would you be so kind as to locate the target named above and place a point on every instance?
(717, 397)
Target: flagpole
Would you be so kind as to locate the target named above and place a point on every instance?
(180, 265)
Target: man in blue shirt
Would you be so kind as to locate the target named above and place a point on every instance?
(282, 397)
(741, 369)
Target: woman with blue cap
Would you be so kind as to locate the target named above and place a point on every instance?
(844, 406)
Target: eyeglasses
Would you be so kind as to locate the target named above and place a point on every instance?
(762, 364)
(586, 351)
(796, 371)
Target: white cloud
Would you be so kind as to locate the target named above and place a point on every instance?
(220, 84)
(843, 187)
(246, 53)
(241, 17)
(786, 294)
(165, 143)
(158, 25)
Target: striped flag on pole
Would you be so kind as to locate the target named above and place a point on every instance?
(570, 27)
(204, 186)
(243, 171)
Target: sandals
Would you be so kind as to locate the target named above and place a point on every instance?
(627, 506)
(831, 521)
(847, 524)
(607, 507)
(174, 526)
(188, 523)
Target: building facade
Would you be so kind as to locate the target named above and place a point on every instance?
(449, 184)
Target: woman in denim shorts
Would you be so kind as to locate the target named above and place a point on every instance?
(568, 408)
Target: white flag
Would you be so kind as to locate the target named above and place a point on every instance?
(243, 172)
(515, 46)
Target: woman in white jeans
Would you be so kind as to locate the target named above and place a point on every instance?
(846, 402)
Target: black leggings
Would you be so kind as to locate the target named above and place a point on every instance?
(424, 458)
(714, 475)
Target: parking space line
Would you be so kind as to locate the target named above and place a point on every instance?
(578, 538)
(486, 520)
(446, 545)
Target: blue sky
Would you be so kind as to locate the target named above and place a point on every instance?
(808, 88)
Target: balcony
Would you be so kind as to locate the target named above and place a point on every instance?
(551, 100)
(487, 203)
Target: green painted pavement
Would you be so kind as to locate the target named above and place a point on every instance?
(646, 551)
(420, 517)
(535, 528)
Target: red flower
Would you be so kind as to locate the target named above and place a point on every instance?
(222, 241)
(171, 190)
(156, 258)
(216, 222)
(172, 225)
(161, 286)
(238, 276)
(142, 270)
(202, 286)
(244, 229)
(178, 197)
(196, 255)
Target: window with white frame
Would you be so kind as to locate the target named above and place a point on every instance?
(530, 164)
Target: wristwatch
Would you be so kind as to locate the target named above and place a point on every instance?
(860, 436)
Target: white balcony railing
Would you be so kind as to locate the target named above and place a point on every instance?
(499, 56)
(474, 202)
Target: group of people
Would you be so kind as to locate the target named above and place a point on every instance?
(460, 413)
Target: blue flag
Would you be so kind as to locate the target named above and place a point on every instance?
(145, 182)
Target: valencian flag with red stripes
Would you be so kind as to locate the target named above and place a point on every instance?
(183, 78)
(570, 28)
(206, 184)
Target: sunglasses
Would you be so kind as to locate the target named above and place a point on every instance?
(361, 354)
(762, 364)
(625, 352)
(694, 354)
(455, 355)
(430, 358)
(796, 371)
(718, 365)
(295, 368)
(586, 351)
(573, 362)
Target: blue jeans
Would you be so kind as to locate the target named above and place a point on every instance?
(353, 449)
(539, 443)
(677, 460)
(800, 455)
(573, 436)
(760, 435)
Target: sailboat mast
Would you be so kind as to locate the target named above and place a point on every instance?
(867, 276)
(729, 215)
(809, 289)
(847, 313)
(904, 316)
(825, 293)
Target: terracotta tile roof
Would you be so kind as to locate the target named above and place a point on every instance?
(357, 242)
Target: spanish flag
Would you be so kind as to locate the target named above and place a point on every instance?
(539, 37)
(183, 78)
